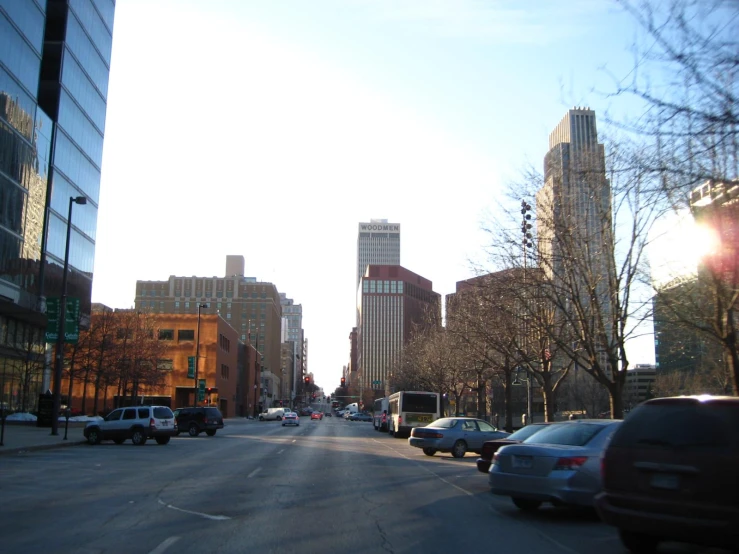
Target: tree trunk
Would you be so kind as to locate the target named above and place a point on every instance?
(615, 392)
(85, 383)
(548, 394)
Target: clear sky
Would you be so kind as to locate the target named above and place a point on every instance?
(271, 128)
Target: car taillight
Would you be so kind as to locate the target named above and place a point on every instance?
(400, 419)
(495, 459)
(571, 462)
(152, 423)
(205, 420)
(603, 468)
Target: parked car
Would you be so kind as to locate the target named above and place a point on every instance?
(327, 414)
(559, 464)
(306, 411)
(670, 474)
(360, 416)
(457, 435)
(137, 423)
(291, 418)
(489, 448)
(199, 419)
(316, 415)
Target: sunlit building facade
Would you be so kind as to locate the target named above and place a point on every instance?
(391, 300)
(54, 67)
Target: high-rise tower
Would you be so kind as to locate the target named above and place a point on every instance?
(54, 66)
(378, 242)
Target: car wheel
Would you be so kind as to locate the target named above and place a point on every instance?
(526, 504)
(119, 441)
(94, 436)
(459, 449)
(162, 440)
(193, 430)
(138, 437)
(261, 418)
(638, 542)
(429, 451)
(210, 432)
(283, 424)
(279, 418)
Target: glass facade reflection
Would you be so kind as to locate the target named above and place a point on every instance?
(54, 66)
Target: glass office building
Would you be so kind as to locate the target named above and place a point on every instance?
(54, 66)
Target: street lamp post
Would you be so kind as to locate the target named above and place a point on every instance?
(59, 362)
(529, 399)
(197, 354)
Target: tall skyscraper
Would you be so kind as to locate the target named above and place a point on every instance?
(54, 66)
(392, 300)
(378, 242)
(574, 205)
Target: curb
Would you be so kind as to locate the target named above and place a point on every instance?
(21, 449)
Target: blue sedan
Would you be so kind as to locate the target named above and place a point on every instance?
(457, 435)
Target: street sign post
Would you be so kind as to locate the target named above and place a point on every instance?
(71, 317)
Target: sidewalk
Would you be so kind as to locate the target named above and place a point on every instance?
(26, 436)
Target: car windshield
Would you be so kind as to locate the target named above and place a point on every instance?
(443, 423)
(525, 432)
(570, 434)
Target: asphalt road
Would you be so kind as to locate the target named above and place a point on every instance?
(325, 486)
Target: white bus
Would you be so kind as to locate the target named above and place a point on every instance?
(380, 409)
(409, 409)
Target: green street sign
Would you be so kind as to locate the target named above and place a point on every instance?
(71, 317)
(191, 367)
(201, 390)
(377, 382)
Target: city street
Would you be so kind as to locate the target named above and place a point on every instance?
(325, 486)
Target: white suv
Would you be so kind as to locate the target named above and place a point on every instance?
(137, 423)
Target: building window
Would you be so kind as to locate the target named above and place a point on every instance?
(185, 334)
(166, 334)
(176, 305)
(219, 294)
(224, 343)
(224, 371)
(165, 365)
(187, 305)
(228, 315)
(230, 294)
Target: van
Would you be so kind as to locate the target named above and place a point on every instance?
(669, 474)
(272, 414)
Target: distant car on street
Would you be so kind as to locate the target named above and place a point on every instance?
(457, 435)
(316, 415)
(290, 418)
(360, 416)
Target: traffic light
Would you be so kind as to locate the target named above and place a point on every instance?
(343, 381)
(307, 380)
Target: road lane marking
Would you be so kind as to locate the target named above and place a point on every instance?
(281, 451)
(199, 514)
(165, 545)
(253, 473)
(294, 440)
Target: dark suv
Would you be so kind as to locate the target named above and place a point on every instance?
(197, 420)
(670, 474)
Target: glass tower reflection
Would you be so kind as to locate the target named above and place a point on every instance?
(54, 66)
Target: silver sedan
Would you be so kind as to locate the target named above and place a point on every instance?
(457, 435)
(560, 464)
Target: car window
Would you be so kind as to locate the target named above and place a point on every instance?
(525, 432)
(486, 427)
(680, 425)
(212, 412)
(444, 423)
(115, 415)
(143, 413)
(129, 413)
(469, 426)
(162, 412)
(570, 434)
